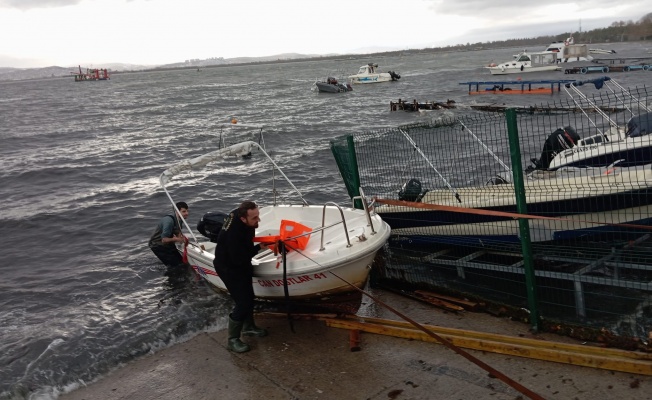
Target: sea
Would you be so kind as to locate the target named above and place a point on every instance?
(81, 294)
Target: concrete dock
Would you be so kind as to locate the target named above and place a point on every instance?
(316, 362)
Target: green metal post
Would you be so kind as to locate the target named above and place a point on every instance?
(523, 224)
(355, 172)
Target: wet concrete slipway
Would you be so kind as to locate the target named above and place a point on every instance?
(316, 362)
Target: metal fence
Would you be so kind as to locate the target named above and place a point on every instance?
(542, 213)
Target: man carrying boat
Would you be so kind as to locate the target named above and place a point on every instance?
(235, 248)
(167, 233)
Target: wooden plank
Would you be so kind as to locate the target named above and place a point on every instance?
(610, 362)
(468, 305)
(511, 339)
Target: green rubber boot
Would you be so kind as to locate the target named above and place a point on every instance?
(235, 344)
(250, 328)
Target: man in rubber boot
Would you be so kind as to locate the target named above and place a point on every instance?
(235, 248)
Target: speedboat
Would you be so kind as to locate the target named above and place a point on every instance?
(370, 74)
(626, 146)
(570, 203)
(527, 62)
(331, 248)
(332, 85)
(565, 204)
(568, 51)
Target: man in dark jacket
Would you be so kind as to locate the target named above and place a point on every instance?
(167, 233)
(235, 248)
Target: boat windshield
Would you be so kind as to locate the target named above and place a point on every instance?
(523, 57)
(363, 70)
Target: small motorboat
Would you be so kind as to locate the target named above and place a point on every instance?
(370, 74)
(569, 198)
(331, 251)
(527, 62)
(627, 146)
(331, 85)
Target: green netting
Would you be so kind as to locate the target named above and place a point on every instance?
(591, 269)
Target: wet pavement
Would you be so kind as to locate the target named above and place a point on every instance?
(313, 361)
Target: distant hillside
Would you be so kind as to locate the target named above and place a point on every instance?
(11, 74)
(619, 31)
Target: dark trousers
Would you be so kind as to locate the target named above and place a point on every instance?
(239, 285)
(169, 255)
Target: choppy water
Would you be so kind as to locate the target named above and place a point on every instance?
(79, 163)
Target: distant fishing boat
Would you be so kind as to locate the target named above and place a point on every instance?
(92, 74)
(369, 74)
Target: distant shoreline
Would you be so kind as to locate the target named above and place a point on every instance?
(372, 56)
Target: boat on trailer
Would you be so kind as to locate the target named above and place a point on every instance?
(335, 259)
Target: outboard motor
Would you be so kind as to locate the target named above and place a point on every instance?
(558, 141)
(394, 75)
(640, 125)
(412, 191)
(210, 225)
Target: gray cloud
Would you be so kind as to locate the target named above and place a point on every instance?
(510, 9)
(28, 4)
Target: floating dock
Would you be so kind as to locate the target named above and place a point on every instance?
(520, 87)
(604, 68)
(414, 105)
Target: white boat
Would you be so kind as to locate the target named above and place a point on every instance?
(370, 74)
(339, 253)
(568, 51)
(574, 203)
(527, 62)
(627, 145)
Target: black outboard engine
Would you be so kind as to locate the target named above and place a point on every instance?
(210, 225)
(640, 125)
(412, 191)
(558, 141)
(394, 75)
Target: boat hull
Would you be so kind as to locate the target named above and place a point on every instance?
(313, 273)
(582, 206)
(518, 70)
(628, 152)
(371, 78)
(331, 88)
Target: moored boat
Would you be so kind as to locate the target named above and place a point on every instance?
(568, 51)
(573, 202)
(527, 62)
(627, 145)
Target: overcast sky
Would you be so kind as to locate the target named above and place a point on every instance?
(39, 33)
